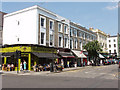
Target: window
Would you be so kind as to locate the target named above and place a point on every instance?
(71, 32)
(51, 25)
(105, 45)
(65, 29)
(42, 38)
(51, 40)
(109, 51)
(109, 46)
(42, 22)
(114, 51)
(60, 40)
(75, 33)
(80, 44)
(80, 34)
(75, 45)
(83, 43)
(114, 40)
(60, 27)
(109, 41)
(65, 42)
(114, 45)
(71, 44)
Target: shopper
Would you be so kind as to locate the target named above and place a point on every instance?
(68, 64)
(21, 68)
(24, 63)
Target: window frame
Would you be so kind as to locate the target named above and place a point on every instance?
(52, 25)
(61, 30)
(43, 39)
(44, 26)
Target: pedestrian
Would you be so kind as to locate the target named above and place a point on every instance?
(8, 67)
(62, 63)
(75, 64)
(24, 63)
(21, 66)
(12, 67)
(68, 63)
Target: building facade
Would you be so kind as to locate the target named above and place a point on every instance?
(101, 38)
(1, 27)
(42, 35)
(112, 45)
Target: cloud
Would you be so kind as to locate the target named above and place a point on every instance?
(112, 7)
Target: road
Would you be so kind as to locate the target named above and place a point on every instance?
(87, 77)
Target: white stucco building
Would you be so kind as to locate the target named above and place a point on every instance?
(101, 38)
(112, 44)
(34, 25)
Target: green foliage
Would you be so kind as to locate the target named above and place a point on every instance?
(93, 48)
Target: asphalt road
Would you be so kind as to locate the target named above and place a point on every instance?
(87, 77)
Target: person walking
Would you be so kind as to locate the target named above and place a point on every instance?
(21, 66)
(24, 63)
(68, 63)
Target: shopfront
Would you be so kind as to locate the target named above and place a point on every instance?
(31, 54)
(67, 59)
(80, 58)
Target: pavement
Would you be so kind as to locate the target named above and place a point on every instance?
(81, 77)
(42, 72)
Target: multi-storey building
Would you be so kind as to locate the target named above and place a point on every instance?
(1, 27)
(41, 35)
(112, 45)
(118, 35)
(101, 38)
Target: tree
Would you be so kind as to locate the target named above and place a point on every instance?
(93, 48)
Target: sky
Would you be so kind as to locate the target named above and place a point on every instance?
(99, 15)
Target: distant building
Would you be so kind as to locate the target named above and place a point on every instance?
(101, 38)
(112, 45)
(1, 27)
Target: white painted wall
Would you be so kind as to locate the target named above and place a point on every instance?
(112, 44)
(26, 31)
